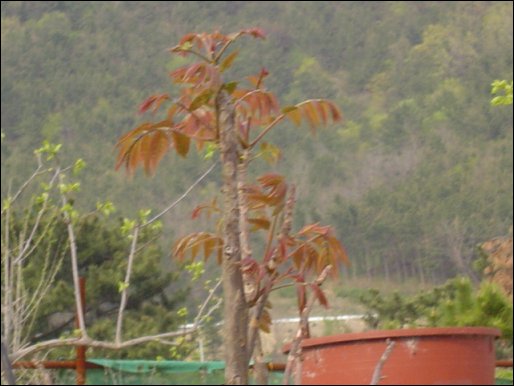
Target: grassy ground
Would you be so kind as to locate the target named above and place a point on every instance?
(503, 376)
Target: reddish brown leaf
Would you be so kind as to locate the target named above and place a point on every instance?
(310, 113)
(282, 249)
(158, 146)
(172, 111)
(154, 100)
(299, 256)
(255, 32)
(336, 114)
(319, 295)
(181, 142)
(308, 228)
(146, 104)
(180, 246)
(239, 93)
(209, 207)
(264, 326)
(209, 245)
(134, 157)
(254, 80)
(259, 223)
(264, 73)
(339, 251)
(195, 242)
(195, 245)
(300, 294)
(294, 115)
(270, 179)
(320, 108)
(188, 38)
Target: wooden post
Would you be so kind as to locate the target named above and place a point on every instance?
(81, 350)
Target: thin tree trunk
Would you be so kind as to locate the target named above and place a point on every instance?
(235, 308)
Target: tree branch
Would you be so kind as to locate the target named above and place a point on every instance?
(378, 368)
(87, 341)
(126, 284)
(28, 181)
(295, 351)
(177, 201)
(265, 130)
(284, 233)
(74, 269)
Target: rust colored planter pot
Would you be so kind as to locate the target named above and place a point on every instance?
(420, 356)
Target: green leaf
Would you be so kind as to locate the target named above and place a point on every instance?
(201, 100)
(288, 109)
(227, 62)
(182, 312)
(122, 286)
(270, 153)
(106, 208)
(42, 198)
(127, 226)
(78, 166)
(230, 86)
(144, 213)
(7, 203)
(156, 226)
(210, 149)
(50, 149)
(181, 143)
(71, 187)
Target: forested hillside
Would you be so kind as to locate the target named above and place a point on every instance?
(419, 173)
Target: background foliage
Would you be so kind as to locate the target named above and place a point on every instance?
(418, 174)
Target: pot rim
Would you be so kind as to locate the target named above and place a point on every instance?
(399, 333)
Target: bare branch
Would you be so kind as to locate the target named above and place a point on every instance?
(266, 129)
(177, 201)
(36, 173)
(23, 251)
(204, 304)
(201, 56)
(74, 269)
(87, 341)
(223, 49)
(378, 368)
(268, 287)
(295, 351)
(126, 284)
